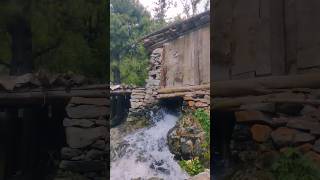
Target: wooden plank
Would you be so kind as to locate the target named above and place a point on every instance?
(184, 89)
(188, 78)
(291, 36)
(204, 55)
(263, 48)
(195, 59)
(264, 85)
(245, 27)
(308, 33)
(180, 57)
(277, 38)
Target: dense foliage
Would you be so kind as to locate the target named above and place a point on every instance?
(129, 21)
(204, 120)
(65, 35)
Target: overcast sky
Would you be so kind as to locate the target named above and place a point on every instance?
(172, 12)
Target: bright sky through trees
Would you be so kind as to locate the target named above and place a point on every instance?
(173, 11)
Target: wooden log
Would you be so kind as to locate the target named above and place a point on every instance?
(264, 85)
(227, 103)
(183, 89)
(172, 95)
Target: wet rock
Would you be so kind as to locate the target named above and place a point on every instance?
(284, 137)
(80, 138)
(86, 111)
(260, 133)
(68, 153)
(187, 147)
(185, 139)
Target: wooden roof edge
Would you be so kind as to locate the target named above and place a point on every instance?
(205, 16)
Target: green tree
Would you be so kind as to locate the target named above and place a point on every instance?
(129, 21)
(59, 35)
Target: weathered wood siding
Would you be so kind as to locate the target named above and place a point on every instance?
(187, 59)
(254, 38)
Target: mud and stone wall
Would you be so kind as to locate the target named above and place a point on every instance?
(266, 128)
(85, 154)
(148, 96)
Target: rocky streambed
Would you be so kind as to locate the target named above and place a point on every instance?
(142, 153)
(139, 149)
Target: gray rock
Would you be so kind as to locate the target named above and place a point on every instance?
(80, 138)
(83, 166)
(86, 111)
(99, 144)
(94, 154)
(285, 136)
(264, 107)
(77, 122)
(89, 101)
(68, 153)
(304, 123)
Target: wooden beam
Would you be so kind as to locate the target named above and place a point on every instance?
(183, 89)
(264, 85)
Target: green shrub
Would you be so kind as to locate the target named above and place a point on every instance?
(294, 166)
(204, 120)
(192, 167)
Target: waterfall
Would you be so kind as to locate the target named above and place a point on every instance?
(145, 153)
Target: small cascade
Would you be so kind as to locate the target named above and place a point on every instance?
(145, 154)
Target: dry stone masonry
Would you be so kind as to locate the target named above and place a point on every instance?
(145, 97)
(264, 127)
(86, 136)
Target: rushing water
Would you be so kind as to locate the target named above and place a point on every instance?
(145, 153)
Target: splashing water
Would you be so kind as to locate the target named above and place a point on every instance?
(146, 153)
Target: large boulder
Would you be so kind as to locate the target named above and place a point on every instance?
(80, 137)
(186, 138)
(285, 137)
(86, 111)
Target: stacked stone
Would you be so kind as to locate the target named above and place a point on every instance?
(137, 99)
(86, 135)
(141, 98)
(275, 126)
(153, 81)
(198, 99)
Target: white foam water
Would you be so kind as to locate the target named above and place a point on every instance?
(147, 155)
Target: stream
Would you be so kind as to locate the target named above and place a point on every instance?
(144, 154)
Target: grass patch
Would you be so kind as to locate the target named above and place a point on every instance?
(294, 166)
(204, 120)
(192, 167)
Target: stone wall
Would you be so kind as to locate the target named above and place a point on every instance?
(86, 131)
(145, 97)
(271, 127)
